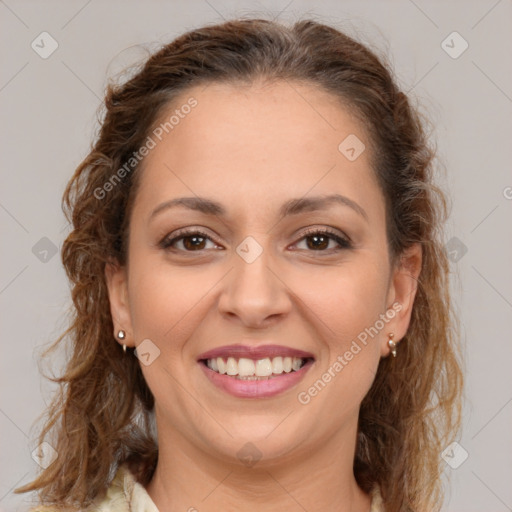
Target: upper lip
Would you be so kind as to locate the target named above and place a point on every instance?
(254, 352)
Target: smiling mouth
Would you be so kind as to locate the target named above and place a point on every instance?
(255, 369)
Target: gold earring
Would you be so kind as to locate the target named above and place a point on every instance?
(392, 344)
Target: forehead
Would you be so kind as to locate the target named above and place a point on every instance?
(260, 141)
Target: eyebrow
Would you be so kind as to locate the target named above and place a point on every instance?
(290, 207)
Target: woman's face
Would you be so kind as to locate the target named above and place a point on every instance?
(261, 283)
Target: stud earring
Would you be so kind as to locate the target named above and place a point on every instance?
(122, 335)
(392, 344)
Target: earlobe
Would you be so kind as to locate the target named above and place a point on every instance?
(117, 285)
(402, 293)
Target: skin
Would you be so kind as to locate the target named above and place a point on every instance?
(251, 148)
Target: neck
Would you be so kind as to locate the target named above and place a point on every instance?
(188, 479)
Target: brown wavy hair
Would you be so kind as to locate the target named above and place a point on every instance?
(102, 415)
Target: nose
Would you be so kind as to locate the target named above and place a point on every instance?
(254, 293)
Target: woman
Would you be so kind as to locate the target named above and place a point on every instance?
(263, 319)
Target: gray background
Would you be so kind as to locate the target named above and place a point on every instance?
(48, 108)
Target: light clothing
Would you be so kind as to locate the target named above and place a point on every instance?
(125, 494)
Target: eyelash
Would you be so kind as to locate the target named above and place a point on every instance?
(344, 243)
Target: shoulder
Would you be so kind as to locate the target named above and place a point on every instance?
(377, 503)
(124, 494)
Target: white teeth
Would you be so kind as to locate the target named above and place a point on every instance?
(263, 367)
(251, 370)
(296, 363)
(231, 366)
(245, 367)
(277, 365)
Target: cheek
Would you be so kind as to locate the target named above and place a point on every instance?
(345, 300)
(348, 304)
(352, 354)
(165, 302)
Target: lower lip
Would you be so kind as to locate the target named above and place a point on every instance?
(256, 388)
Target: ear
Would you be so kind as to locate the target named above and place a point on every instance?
(117, 284)
(401, 295)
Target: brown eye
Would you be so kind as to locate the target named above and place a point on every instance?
(191, 241)
(319, 241)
